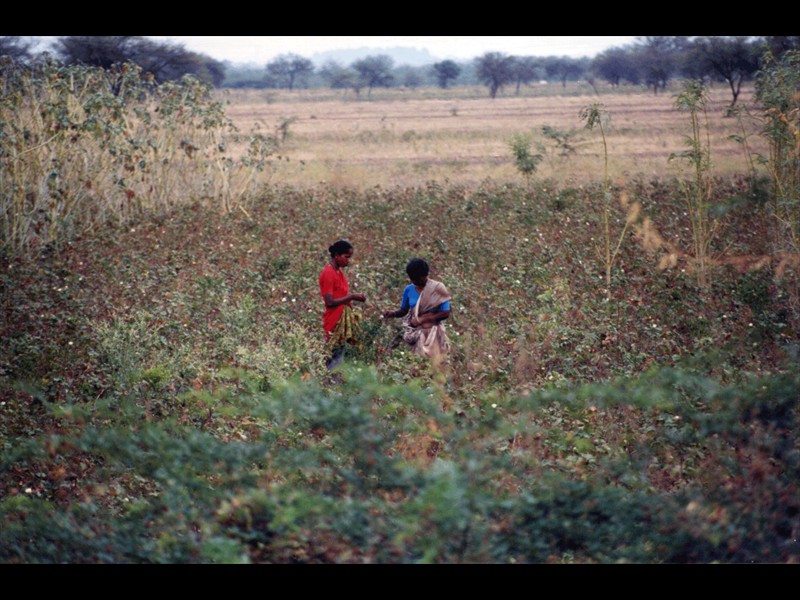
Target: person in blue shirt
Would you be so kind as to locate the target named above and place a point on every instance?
(424, 308)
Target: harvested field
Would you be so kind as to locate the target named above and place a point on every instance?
(404, 138)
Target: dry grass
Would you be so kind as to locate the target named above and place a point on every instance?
(407, 137)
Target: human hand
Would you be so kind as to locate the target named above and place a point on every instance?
(423, 322)
(358, 297)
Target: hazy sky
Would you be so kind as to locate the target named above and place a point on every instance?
(261, 49)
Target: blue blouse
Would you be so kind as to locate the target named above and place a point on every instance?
(411, 296)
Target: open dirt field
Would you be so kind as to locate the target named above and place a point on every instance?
(409, 137)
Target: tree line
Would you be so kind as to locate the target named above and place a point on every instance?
(164, 61)
(650, 61)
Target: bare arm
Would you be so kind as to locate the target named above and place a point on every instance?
(430, 319)
(332, 302)
(392, 314)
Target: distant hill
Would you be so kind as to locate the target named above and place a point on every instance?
(412, 57)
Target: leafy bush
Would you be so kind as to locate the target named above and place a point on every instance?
(83, 147)
(163, 396)
(376, 472)
(525, 161)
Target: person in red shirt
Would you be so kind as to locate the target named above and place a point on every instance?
(336, 294)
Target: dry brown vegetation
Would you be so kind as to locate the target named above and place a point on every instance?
(406, 137)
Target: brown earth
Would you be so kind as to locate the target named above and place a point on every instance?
(402, 139)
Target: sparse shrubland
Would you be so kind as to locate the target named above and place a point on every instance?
(164, 395)
(81, 148)
(777, 91)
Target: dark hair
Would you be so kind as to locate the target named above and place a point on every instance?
(340, 247)
(417, 268)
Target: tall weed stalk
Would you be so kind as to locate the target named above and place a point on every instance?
(778, 93)
(595, 115)
(693, 99)
(81, 147)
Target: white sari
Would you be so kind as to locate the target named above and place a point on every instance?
(431, 341)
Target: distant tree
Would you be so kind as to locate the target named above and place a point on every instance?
(16, 47)
(165, 61)
(215, 71)
(563, 68)
(410, 77)
(169, 62)
(287, 69)
(659, 58)
(374, 71)
(730, 59)
(244, 76)
(779, 44)
(338, 77)
(444, 71)
(615, 65)
(97, 50)
(526, 69)
(494, 70)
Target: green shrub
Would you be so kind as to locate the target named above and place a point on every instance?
(318, 474)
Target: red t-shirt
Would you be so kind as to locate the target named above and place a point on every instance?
(332, 281)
